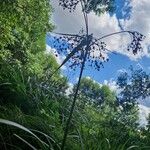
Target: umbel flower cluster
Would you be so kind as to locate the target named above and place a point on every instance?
(75, 46)
(135, 45)
(69, 4)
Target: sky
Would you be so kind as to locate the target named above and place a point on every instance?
(129, 15)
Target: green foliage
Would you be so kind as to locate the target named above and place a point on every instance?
(148, 124)
(28, 95)
(106, 121)
(35, 105)
(94, 93)
(133, 86)
(90, 91)
(36, 125)
(23, 25)
(99, 6)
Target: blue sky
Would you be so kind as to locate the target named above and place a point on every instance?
(123, 60)
(129, 15)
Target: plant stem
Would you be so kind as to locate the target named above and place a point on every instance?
(78, 84)
(74, 100)
(108, 35)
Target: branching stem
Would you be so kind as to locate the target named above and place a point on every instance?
(78, 86)
(108, 35)
(74, 101)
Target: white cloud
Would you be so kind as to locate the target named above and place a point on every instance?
(121, 70)
(67, 22)
(145, 102)
(89, 78)
(143, 114)
(144, 110)
(69, 89)
(100, 25)
(112, 85)
(140, 21)
(77, 79)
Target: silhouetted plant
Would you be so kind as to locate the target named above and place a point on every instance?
(80, 48)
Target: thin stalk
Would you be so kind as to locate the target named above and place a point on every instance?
(84, 15)
(66, 34)
(75, 94)
(108, 35)
(73, 104)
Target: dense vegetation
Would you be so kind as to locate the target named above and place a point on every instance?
(102, 119)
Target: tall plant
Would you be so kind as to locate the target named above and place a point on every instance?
(81, 47)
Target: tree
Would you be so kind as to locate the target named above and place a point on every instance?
(89, 92)
(133, 86)
(25, 67)
(98, 6)
(23, 27)
(27, 93)
(97, 117)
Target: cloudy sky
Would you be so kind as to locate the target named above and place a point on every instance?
(129, 15)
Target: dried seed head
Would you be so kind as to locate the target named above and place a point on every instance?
(96, 49)
(135, 45)
(69, 4)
